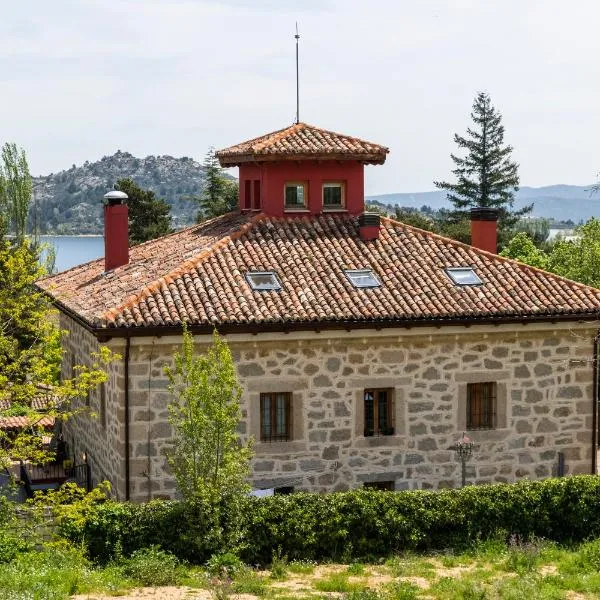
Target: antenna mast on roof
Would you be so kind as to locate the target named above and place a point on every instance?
(297, 36)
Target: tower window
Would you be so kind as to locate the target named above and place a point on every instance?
(333, 195)
(295, 195)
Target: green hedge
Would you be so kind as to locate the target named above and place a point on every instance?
(348, 525)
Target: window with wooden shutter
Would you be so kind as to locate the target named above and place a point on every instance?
(275, 417)
(481, 405)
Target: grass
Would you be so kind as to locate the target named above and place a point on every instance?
(532, 569)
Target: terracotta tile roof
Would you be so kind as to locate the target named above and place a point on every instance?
(88, 292)
(24, 422)
(204, 284)
(303, 141)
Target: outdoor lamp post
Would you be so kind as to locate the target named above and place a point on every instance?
(464, 448)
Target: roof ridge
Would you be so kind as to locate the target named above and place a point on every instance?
(182, 268)
(465, 246)
(345, 135)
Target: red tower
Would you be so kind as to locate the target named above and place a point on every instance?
(302, 170)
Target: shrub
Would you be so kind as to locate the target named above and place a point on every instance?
(224, 565)
(151, 567)
(355, 525)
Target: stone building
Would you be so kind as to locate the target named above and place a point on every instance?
(364, 347)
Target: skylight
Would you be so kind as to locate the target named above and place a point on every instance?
(362, 278)
(463, 276)
(263, 281)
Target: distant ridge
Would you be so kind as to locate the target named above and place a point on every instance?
(560, 202)
(70, 202)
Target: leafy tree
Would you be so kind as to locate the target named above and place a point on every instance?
(207, 458)
(523, 249)
(31, 353)
(219, 195)
(16, 190)
(579, 259)
(414, 218)
(486, 176)
(149, 217)
(537, 229)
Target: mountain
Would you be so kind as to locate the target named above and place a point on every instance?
(70, 202)
(559, 202)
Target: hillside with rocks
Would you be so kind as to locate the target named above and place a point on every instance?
(70, 202)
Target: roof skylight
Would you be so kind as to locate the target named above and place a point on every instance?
(362, 278)
(263, 281)
(463, 276)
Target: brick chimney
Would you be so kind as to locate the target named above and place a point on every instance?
(368, 226)
(484, 229)
(116, 230)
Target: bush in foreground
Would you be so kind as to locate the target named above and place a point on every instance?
(346, 525)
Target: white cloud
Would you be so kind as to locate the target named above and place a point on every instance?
(80, 79)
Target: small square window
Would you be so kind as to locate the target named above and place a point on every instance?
(333, 195)
(362, 278)
(295, 195)
(463, 276)
(481, 405)
(275, 417)
(263, 281)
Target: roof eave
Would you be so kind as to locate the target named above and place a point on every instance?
(235, 160)
(106, 333)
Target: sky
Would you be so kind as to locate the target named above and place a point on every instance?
(81, 79)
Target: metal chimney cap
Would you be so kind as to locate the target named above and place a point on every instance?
(115, 197)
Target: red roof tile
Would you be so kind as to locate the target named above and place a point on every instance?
(197, 277)
(302, 141)
(24, 422)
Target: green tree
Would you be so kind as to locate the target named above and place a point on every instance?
(537, 229)
(523, 249)
(31, 353)
(16, 190)
(579, 259)
(219, 195)
(486, 176)
(414, 218)
(208, 460)
(149, 216)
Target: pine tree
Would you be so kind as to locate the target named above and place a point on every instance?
(486, 176)
(149, 216)
(219, 195)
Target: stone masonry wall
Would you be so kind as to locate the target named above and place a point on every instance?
(544, 379)
(102, 440)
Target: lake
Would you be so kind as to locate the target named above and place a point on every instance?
(72, 250)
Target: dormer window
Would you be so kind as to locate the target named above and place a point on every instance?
(333, 196)
(295, 194)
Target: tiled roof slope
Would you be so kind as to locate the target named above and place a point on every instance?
(209, 288)
(302, 141)
(88, 292)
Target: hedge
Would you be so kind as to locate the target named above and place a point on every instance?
(347, 525)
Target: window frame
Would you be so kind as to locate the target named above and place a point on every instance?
(296, 184)
(389, 426)
(331, 184)
(271, 436)
(450, 271)
(350, 272)
(484, 396)
(263, 287)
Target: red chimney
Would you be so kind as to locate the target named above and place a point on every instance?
(484, 230)
(116, 230)
(368, 226)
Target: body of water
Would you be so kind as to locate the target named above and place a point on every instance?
(72, 250)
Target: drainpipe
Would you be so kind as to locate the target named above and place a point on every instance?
(595, 406)
(127, 346)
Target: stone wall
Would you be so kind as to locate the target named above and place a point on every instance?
(544, 376)
(102, 440)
